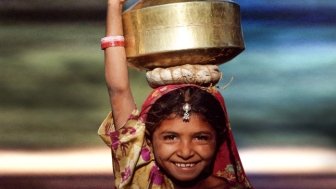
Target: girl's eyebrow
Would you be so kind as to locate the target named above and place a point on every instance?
(203, 132)
(196, 133)
(169, 132)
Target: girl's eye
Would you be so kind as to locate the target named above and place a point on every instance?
(202, 137)
(169, 137)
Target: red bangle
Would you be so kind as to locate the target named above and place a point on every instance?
(108, 44)
(112, 41)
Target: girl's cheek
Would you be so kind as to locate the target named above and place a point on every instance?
(164, 150)
(207, 151)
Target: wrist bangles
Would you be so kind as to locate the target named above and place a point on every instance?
(112, 41)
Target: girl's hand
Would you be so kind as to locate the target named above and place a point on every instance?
(116, 5)
(120, 2)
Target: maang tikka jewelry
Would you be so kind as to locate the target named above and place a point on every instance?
(186, 107)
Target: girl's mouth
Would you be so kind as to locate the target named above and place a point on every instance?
(185, 165)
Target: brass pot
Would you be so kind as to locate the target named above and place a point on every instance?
(164, 33)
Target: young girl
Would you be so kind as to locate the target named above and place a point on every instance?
(181, 138)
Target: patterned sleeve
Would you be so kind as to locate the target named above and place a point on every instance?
(105, 128)
(129, 149)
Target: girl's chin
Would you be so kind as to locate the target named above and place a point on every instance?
(188, 181)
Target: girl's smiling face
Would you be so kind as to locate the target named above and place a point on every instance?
(184, 149)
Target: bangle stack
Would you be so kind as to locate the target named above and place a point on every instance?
(112, 41)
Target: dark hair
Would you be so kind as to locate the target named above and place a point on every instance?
(201, 101)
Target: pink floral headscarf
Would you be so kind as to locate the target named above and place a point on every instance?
(227, 163)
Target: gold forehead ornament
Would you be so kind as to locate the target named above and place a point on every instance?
(186, 107)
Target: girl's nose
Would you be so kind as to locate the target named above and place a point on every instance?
(185, 150)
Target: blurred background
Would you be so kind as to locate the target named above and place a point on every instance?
(282, 100)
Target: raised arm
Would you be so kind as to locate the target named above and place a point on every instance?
(116, 72)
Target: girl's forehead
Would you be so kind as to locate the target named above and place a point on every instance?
(176, 124)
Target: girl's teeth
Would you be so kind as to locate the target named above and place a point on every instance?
(184, 165)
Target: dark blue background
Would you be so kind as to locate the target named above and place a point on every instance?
(284, 89)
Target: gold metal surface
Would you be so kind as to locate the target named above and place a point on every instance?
(182, 32)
